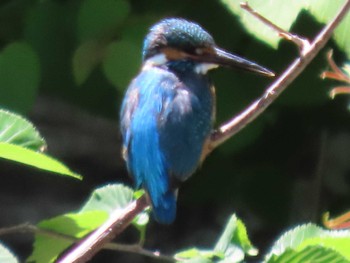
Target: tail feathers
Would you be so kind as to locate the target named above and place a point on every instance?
(164, 209)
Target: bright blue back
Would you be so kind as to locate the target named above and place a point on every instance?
(164, 124)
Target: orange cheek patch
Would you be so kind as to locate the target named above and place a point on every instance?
(174, 54)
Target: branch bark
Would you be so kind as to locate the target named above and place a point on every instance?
(90, 245)
(236, 124)
(94, 242)
(133, 248)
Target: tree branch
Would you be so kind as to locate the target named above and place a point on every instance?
(135, 249)
(89, 246)
(94, 242)
(233, 126)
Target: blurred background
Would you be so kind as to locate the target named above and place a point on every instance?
(65, 66)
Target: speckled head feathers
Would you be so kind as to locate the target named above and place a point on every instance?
(176, 33)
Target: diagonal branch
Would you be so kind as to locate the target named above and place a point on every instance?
(136, 248)
(94, 242)
(236, 124)
(89, 246)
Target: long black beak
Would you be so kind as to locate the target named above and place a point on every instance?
(223, 58)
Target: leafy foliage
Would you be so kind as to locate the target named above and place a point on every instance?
(317, 254)
(16, 130)
(36, 159)
(102, 41)
(47, 248)
(231, 247)
(21, 142)
(311, 242)
(94, 212)
(285, 15)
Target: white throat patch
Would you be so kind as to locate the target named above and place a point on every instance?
(203, 68)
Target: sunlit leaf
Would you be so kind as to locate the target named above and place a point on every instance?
(280, 12)
(6, 255)
(16, 130)
(235, 233)
(284, 14)
(197, 255)
(115, 196)
(317, 254)
(47, 248)
(19, 76)
(324, 11)
(108, 198)
(308, 235)
(39, 160)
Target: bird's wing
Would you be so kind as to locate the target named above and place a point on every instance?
(140, 115)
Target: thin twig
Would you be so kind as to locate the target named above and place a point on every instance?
(135, 249)
(233, 126)
(336, 73)
(84, 250)
(302, 43)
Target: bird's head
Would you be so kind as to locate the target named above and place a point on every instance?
(175, 40)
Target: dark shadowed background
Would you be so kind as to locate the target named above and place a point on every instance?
(288, 167)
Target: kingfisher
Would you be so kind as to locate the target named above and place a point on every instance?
(168, 111)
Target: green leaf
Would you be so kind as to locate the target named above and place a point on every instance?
(317, 254)
(14, 129)
(6, 255)
(115, 196)
(309, 235)
(47, 248)
(96, 210)
(121, 63)
(281, 13)
(235, 233)
(86, 58)
(19, 76)
(25, 156)
(97, 18)
(338, 241)
(197, 255)
(324, 11)
(284, 15)
(108, 198)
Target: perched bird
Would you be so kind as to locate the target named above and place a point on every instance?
(167, 114)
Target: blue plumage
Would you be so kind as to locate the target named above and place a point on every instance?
(168, 109)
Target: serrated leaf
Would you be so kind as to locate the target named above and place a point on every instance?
(6, 255)
(121, 63)
(47, 248)
(39, 160)
(14, 129)
(19, 76)
(86, 58)
(310, 234)
(315, 254)
(294, 237)
(337, 240)
(97, 18)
